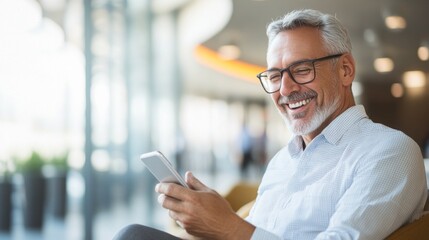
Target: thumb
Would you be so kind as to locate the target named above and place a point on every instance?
(193, 182)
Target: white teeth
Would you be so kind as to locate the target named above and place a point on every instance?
(299, 104)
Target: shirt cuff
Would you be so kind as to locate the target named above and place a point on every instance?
(261, 234)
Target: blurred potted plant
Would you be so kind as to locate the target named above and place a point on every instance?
(34, 185)
(5, 197)
(57, 185)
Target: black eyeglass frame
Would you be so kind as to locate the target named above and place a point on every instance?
(287, 69)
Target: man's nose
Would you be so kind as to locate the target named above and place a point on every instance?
(288, 85)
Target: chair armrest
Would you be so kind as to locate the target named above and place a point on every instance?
(419, 229)
(244, 211)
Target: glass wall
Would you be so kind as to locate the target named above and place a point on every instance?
(86, 87)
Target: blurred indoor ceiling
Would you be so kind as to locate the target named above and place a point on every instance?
(243, 23)
(364, 19)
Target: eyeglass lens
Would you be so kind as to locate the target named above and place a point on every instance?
(300, 73)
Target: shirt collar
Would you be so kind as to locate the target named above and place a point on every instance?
(335, 130)
(339, 126)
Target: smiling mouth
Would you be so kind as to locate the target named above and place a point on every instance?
(299, 104)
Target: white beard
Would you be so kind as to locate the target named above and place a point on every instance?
(322, 113)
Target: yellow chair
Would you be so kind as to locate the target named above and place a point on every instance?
(241, 194)
(416, 230)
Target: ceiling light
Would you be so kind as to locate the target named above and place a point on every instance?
(235, 68)
(423, 51)
(383, 64)
(229, 52)
(414, 79)
(397, 90)
(395, 22)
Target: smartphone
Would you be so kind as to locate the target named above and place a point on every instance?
(161, 168)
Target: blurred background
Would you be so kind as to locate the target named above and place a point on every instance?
(87, 86)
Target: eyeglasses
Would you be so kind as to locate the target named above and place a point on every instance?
(301, 72)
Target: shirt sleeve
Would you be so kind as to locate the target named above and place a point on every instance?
(388, 189)
(261, 234)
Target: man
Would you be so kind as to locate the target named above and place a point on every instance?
(340, 177)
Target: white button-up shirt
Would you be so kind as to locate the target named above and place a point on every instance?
(356, 180)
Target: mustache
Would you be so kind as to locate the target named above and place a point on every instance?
(296, 96)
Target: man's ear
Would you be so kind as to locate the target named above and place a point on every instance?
(347, 69)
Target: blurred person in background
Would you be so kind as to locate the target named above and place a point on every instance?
(246, 149)
(341, 176)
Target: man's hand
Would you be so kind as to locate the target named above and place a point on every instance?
(201, 211)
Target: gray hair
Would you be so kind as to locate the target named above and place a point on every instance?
(334, 35)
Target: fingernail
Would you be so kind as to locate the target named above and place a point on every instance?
(157, 187)
(188, 176)
(161, 198)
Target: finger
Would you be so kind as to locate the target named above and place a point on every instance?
(180, 224)
(169, 202)
(161, 199)
(171, 189)
(194, 183)
(175, 216)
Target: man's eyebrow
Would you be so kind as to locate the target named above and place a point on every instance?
(293, 63)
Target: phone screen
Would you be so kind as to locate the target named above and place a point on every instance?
(161, 168)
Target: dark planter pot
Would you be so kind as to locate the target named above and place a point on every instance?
(5, 206)
(57, 195)
(103, 191)
(34, 200)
